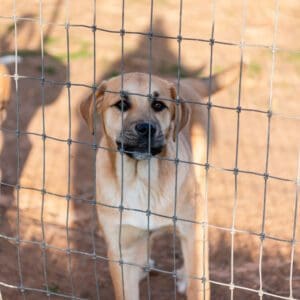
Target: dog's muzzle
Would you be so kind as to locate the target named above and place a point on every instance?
(135, 140)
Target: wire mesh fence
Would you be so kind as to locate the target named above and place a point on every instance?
(44, 82)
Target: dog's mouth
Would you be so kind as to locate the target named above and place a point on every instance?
(140, 151)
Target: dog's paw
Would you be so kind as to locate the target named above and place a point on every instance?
(181, 285)
(181, 281)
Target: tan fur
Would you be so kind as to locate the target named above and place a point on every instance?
(5, 85)
(190, 134)
(5, 95)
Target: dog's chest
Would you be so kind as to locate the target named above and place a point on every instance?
(144, 201)
(143, 193)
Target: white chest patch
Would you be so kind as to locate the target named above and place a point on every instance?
(140, 195)
(139, 199)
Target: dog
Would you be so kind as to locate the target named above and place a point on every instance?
(152, 134)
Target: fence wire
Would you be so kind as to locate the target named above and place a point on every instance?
(70, 141)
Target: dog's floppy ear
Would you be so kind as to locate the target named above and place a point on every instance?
(182, 113)
(88, 105)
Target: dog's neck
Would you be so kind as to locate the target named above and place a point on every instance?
(157, 176)
(123, 166)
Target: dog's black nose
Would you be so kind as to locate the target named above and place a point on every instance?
(143, 129)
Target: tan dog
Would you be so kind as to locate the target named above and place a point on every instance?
(122, 180)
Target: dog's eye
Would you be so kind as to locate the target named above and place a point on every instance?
(122, 105)
(158, 105)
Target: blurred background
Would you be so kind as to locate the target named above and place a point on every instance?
(72, 223)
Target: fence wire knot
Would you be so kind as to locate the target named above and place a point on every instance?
(121, 208)
(150, 35)
(235, 171)
(269, 113)
(209, 105)
(179, 38)
(122, 32)
(262, 236)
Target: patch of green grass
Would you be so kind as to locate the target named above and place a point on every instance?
(113, 73)
(50, 40)
(199, 73)
(166, 69)
(10, 28)
(49, 70)
(26, 53)
(293, 57)
(62, 58)
(83, 52)
(218, 69)
(54, 288)
(254, 68)
(162, 1)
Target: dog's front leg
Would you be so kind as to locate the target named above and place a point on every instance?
(127, 273)
(194, 244)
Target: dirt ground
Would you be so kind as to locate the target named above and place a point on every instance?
(71, 224)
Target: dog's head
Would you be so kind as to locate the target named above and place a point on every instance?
(139, 123)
